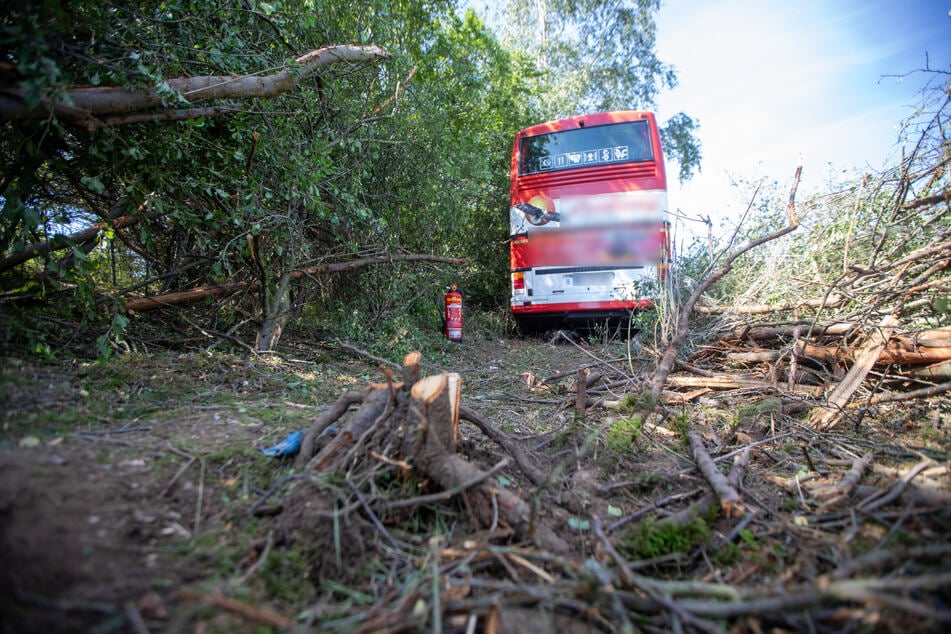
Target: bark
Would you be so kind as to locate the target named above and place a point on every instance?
(814, 330)
(730, 500)
(701, 507)
(275, 310)
(829, 414)
(834, 493)
(763, 309)
(325, 420)
(536, 476)
(375, 404)
(435, 416)
(145, 304)
(728, 382)
(901, 352)
(581, 397)
(84, 104)
(936, 372)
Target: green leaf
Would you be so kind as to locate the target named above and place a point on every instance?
(579, 524)
(93, 183)
(747, 536)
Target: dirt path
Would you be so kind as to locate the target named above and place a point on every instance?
(125, 491)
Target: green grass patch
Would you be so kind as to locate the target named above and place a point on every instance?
(624, 433)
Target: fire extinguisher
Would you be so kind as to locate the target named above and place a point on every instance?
(452, 313)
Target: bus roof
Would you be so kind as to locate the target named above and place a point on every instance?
(582, 120)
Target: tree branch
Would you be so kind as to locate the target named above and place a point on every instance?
(83, 104)
(666, 363)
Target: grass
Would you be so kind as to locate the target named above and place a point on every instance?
(624, 433)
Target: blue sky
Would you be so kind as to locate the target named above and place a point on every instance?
(773, 83)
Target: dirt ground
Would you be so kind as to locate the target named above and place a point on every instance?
(133, 498)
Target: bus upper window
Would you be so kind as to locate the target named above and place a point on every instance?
(586, 147)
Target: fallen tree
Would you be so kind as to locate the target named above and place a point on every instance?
(685, 310)
(92, 107)
(154, 302)
(87, 237)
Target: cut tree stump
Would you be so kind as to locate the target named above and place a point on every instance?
(414, 424)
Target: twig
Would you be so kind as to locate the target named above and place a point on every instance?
(521, 561)
(581, 395)
(259, 562)
(435, 581)
(338, 409)
(666, 364)
(104, 439)
(349, 347)
(248, 612)
(882, 558)
(843, 488)
(373, 518)
(178, 474)
(135, 618)
(735, 452)
(487, 428)
(877, 501)
(830, 413)
(448, 493)
(627, 519)
(924, 392)
(276, 487)
(636, 581)
(561, 375)
(110, 432)
(730, 500)
(201, 495)
(610, 364)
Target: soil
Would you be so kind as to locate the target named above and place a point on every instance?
(126, 488)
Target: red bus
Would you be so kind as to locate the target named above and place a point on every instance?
(588, 236)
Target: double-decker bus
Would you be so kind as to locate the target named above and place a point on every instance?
(589, 233)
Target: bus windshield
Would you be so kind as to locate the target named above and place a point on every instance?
(586, 147)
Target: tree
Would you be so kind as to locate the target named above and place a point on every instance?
(600, 55)
(255, 195)
(350, 160)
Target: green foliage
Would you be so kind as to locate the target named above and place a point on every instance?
(624, 432)
(635, 402)
(409, 155)
(597, 55)
(863, 223)
(680, 423)
(651, 539)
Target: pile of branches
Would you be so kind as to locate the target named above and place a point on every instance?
(859, 300)
(511, 562)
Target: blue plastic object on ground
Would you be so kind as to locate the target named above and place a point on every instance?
(287, 447)
(291, 445)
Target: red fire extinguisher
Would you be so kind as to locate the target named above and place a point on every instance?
(452, 315)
